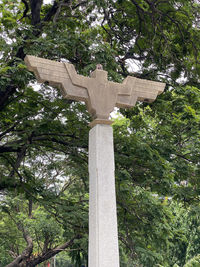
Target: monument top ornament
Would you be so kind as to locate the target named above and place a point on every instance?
(99, 94)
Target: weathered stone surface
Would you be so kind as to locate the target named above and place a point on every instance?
(99, 94)
(103, 238)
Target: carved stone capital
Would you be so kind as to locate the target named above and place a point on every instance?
(99, 94)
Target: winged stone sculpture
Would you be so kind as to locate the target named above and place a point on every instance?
(99, 94)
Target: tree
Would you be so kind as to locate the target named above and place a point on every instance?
(45, 226)
(43, 149)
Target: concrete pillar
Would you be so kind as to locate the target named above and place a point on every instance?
(103, 236)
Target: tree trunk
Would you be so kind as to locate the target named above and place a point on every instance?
(20, 261)
(50, 253)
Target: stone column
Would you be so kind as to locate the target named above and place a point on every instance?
(100, 96)
(103, 236)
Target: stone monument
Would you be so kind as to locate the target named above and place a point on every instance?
(100, 96)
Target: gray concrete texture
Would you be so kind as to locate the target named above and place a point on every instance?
(103, 234)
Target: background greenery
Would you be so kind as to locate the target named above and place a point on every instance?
(44, 138)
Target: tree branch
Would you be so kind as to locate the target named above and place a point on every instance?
(27, 251)
(5, 149)
(51, 253)
(35, 11)
(81, 3)
(51, 12)
(8, 130)
(26, 9)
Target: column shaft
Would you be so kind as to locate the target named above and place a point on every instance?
(103, 236)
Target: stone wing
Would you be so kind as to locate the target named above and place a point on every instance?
(59, 74)
(134, 89)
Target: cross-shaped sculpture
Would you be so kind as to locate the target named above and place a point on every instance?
(100, 96)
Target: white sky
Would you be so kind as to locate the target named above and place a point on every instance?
(47, 1)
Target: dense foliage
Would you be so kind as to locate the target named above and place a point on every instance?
(44, 139)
